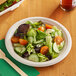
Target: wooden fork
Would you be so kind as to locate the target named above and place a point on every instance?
(2, 56)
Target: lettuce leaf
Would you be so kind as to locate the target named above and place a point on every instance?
(30, 49)
(40, 35)
(42, 57)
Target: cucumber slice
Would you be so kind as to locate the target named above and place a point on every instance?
(55, 48)
(54, 54)
(33, 57)
(20, 50)
(17, 45)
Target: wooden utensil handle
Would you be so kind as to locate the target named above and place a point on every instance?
(15, 67)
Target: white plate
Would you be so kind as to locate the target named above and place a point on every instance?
(11, 8)
(64, 51)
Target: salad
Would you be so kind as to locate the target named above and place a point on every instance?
(7, 3)
(37, 41)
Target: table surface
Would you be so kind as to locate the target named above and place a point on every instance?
(50, 9)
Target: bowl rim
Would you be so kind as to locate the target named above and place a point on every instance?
(40, 64)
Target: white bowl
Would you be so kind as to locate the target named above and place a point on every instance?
(11, 8)
(62, 55)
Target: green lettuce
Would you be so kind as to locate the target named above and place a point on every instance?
(42, 57)
(30, 49)
(40, 35)
(49, 43)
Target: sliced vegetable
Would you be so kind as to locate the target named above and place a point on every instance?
(39, 45)
(54, 55)
(30, 39)
(40, 35)
(55, 28)
(37, 24)
(58, 39)
(38, 42)
(31, 33)
(61, 45)
(15, 39)
(48, 31)
(30, 49)
(55, 48)
(42, 58)
(23, 42)
(41, 28)
(44, 50)
(17, 45)
(48, 26)
(49, 43)
(33, 57)
(20, 50)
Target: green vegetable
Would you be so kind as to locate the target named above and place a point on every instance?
(55, 28)
(39, 41)
(30, 48)
(7, 4)
(60, 33)
(37, 24)
(20, 50)
(34, 24)
(30, 39)
(61, 45)
(53, 34)
(29, 22)
(42, 58)
(33, 57)
(17, 45)
(49, 43)
(55, 48)
(40, 35)
(31, 33)
(48, 31)
(17, 0)
(57, 31)
(39, 45)
(54, 54)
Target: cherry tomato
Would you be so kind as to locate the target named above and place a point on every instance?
(41, 28)
(48, 26)
(58, 39)
(44, 50)
(23, 42)
(15, 39)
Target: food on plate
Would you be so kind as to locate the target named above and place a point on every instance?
(37, 41)
(2, 1)
(4, 4)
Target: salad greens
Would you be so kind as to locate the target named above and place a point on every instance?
(30, 49)
(7, 4)
(42, 57)
(38, 42)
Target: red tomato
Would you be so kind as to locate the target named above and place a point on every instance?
(48, 26)
(44, 50)
(41, 28)
(23, 42)
(15, 39)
